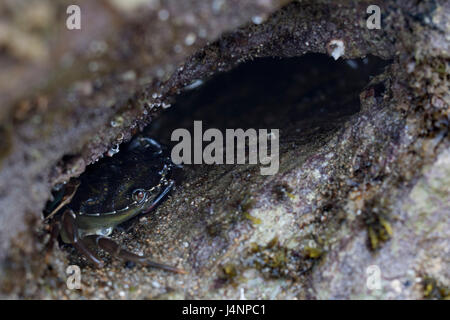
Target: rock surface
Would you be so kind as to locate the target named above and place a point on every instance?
(363, 186)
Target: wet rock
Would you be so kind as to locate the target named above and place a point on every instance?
(362, 188)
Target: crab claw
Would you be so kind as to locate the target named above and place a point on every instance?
(70, 230)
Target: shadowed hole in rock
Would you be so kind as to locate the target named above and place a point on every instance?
(290, 94)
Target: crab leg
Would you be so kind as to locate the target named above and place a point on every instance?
(69, 191)
(55, 228)
(70, 228)
(114, 249)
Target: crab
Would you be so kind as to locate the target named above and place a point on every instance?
(108, 195)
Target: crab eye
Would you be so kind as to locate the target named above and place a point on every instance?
(139, 195)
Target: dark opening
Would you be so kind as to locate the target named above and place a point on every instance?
(290, 94)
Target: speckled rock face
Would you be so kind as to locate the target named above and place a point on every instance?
(362, 188)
